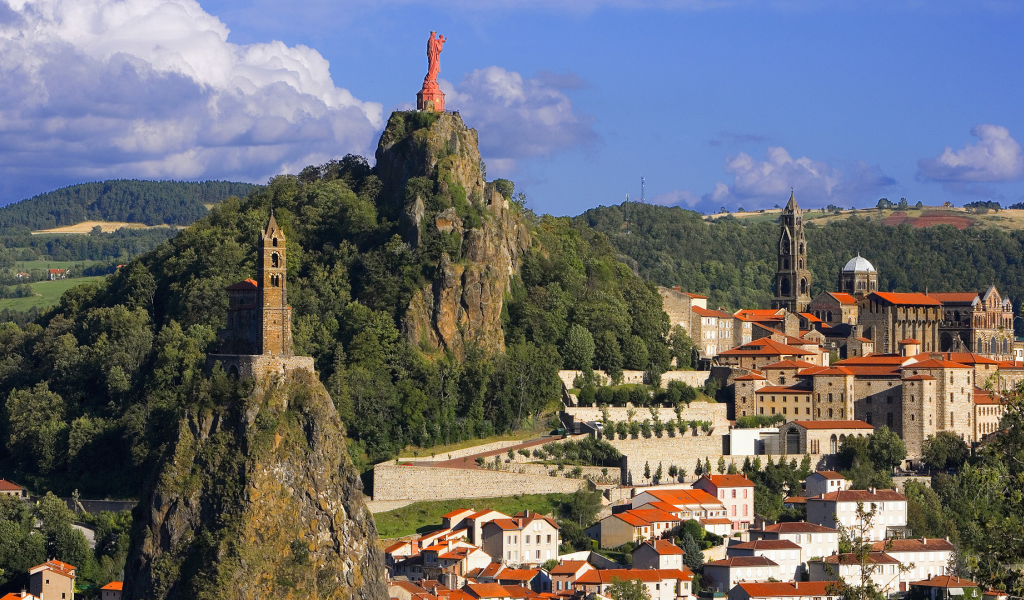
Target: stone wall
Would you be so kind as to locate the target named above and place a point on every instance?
(691, 378)
(401, 482)
(714, 412)
(254, 366)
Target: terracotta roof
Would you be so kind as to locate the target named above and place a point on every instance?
(767, 545)
(985, 397)
(913, 545)
(810, 318)
(488, 590)
(506, 524)
(518, 574)
(873, 359)
(54, 566)
(910, 298)
(909, 341)
(665, 506)
(760, 314)
(849, 558)
(751, 377)
(569, 567)
(795, 500)
(835, 371)
(484, 513)
(661, 547)
(707, 312)
(864, 339)
(919, 378)
(945, 581)
(964, 358)
(248, 284)
(684, 497)
(603, 576)
(833, 424)
(788, 364)
(653, 515)
(728, 480)
(810, 371)
(798, 527)
(396, 546)
(828, 474)
(113, 585)
(743, 561)
(954, 297)
(785, 389)
(716, 521)
(773, 589)
(15, 596)
(456, 513)
(765, 347)
(492, 569)
(859, 496)
(9, 486)
(933, 363)
(843, 298)
(631, 519)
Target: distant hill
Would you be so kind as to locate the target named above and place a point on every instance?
(919, 217)
(128, 200)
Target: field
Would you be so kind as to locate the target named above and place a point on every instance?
(87, 226)
(927, 216)
(47, 293)
(422, 517)
(28, 265)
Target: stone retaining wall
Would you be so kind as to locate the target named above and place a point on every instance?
(715, 412)
(691, 378)
(401, 482)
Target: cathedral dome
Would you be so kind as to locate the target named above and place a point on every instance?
(858, 265)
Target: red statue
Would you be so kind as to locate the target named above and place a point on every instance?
(431, 98)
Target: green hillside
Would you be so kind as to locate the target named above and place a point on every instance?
(133, 201)
(734, 260)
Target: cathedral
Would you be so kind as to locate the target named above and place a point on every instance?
(257, 337)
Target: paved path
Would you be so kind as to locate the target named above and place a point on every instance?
(469, 462)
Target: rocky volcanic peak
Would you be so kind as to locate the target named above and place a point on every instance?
(258, 499)
(430, 168)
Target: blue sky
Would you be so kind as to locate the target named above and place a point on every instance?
(715, 103)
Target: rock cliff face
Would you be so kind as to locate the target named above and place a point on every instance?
(258, 499)
(430, 168)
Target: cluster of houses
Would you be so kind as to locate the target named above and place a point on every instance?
(487, 554)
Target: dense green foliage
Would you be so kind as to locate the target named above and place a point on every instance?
(734, 264)
(23, 546)
(132, 201)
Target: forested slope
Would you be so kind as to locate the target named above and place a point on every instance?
(132, 201)
(735, 263)
(93, 389)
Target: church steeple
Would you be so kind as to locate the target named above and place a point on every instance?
(792, 277)
(276, 315)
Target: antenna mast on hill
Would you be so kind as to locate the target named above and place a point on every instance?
(643, 192)
(625, 208)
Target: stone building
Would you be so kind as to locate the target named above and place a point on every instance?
(711, 331)
(819, 437)
(890, 317)
(834, 308)
(858, 278)
(257, 338)
(679, 305)
(976, 323)
(793, 275)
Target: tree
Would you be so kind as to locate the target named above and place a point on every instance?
(647, 470)
(607, 354)
(659, 473)
(886, 449)
(945, 451)
(38, 432)
(857, 538)
(628, 589)
(721, 465)
(634, 353)
(584, 505)
(578, 353)
(682, 346)
(693, 556)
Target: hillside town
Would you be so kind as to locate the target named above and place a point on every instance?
(793, 383)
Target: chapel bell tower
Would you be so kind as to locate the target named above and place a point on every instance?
(276, 326)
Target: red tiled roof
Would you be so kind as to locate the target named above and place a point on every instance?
(810, 318)
(788, 364)
(751, 377)
(518, 574)
(653, 515)
(833, 424)
(716, 521)
(773, 589)
(945, 581)
(767, 545)
(945, 297)
(860, 496)
(873, 359)
(798, 527)
(113, 585)
(913, 545)
(15, 596)
(964, 358)
(743, 561)
(728, 480)
(910, 298)
(248, 284)
(707, 312)
(569, 567)
(55, 566)
(684, 497)
(765, 347)
(909, 341)
(784, 389)
(631, 519)
(488, 590)
(663, 547)
(849, 558)
(843, 298)
(835, 371)
(9, 486)
(795, 500)
(919, 378)
(395, 546)
(828, 474)
(985, 397)
(933, 363)
(601, 576)
(456, 513)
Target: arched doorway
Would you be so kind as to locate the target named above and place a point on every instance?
(793, 442)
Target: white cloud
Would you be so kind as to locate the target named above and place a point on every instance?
(676, 198)
(759, 184)
(996, 157)
(519, 118)
(153, 88)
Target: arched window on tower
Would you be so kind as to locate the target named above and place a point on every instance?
(275, 242)
(803, 286)
(801, 247)
(784, 287)
(274, 260)
(785, 263)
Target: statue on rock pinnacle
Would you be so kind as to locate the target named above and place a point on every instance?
(431, 98)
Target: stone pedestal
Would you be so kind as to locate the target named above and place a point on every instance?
(430, 98)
